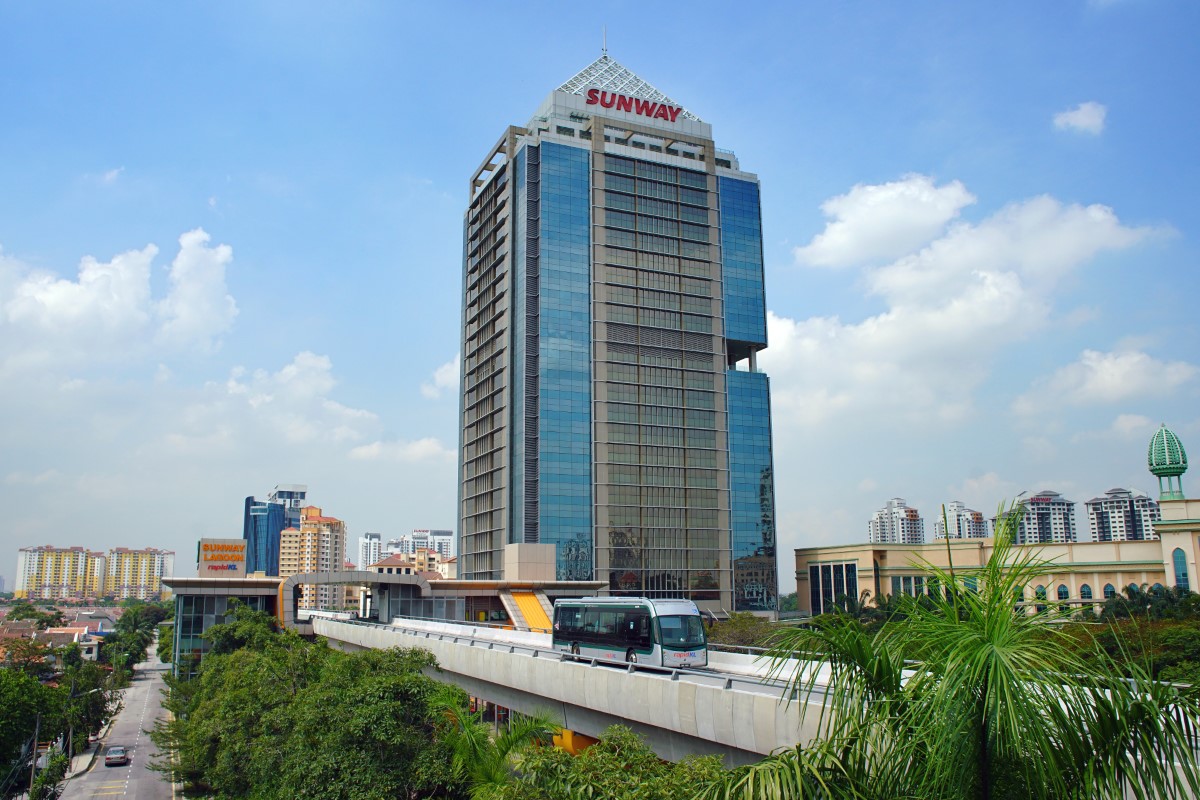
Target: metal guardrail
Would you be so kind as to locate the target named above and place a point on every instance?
(710, 677)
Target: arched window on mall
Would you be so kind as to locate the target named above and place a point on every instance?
(1063, 592)
(1181, 576)
(1085, 592)
(1040, 594)
(1109, 591)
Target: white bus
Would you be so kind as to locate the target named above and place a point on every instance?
(633, 629)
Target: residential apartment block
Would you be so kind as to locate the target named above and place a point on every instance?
(59, 573)
(137, 573)
(1122, 516)
(964, 523)
(317, 545)
(1048, 519)
(76, 573)
(896, 523)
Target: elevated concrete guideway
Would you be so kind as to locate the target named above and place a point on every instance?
(728, 710)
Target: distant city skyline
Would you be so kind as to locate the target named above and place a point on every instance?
(231, 249)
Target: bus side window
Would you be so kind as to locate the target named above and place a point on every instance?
(637, 628)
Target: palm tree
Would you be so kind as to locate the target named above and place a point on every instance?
(483, 760)
(961, 697)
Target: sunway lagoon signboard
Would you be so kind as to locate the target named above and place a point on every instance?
(221, 558)
(633, 105)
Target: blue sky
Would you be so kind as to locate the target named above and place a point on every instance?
(230, 244)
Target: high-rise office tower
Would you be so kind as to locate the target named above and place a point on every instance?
(1122, 516)
(613, 311)
(896, 523)
(264, 521)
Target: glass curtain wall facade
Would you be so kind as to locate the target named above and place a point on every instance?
(613, 309)
(262, 524)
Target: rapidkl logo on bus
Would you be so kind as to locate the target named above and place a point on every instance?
(632, 105)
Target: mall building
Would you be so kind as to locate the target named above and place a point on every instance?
(1084, 573)
(613, 312)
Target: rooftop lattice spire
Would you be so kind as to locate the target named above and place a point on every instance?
(605, 73)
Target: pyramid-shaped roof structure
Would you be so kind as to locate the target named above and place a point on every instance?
(606, 74)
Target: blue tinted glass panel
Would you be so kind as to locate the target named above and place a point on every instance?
(564, 360)
(742, 261)
(751, 491)
(263, 524)
(516, 529)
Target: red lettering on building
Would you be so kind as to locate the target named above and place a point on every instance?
(632, 105)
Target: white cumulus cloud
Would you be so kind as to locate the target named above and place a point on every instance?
(1086, 118)
(198, 307)
(445, 378)
(949, 309)
(1098, 378)
(873, 223)
(107, 313)
(427, 449)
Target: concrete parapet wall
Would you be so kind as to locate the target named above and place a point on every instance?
(679, 713)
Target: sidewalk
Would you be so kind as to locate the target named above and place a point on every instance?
(83, 762)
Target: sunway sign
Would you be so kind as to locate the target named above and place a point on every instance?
(633, 105)
(221, 555)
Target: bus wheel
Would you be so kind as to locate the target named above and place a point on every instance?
(574, 648)
(630, 656)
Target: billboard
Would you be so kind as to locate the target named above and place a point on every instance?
(221, 558)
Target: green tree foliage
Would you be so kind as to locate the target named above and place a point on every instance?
(619, 767)
(484, 761)
(48, 783)
(90, 700)
(788, 602)
(50, 618)
(963, 697)
(274, 716)
(742, 629)
(166, 644)
(29, 656)
(22, 698)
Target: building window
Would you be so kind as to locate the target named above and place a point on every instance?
(563, 130)
(1181, 576)
(1063, 592)
(1085, 592)
(1109, 591)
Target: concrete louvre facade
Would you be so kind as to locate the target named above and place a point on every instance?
(613, 310)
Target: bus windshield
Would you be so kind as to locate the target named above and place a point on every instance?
(683, 632)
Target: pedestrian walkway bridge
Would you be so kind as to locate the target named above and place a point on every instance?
(730, 709)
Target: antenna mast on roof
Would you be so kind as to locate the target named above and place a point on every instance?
(604, 40)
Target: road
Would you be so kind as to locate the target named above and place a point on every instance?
(142, 707)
